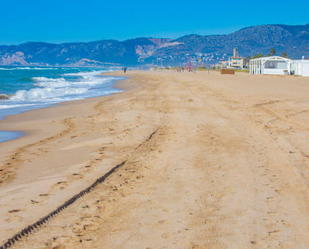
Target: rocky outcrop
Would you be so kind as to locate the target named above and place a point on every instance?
(17, 58)
(4, 97)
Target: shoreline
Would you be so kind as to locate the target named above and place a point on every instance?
(15, 134)
(49, 120)
(211, 157)
(42, 127)
(10, 135)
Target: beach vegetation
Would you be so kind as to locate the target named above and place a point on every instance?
(247, 59)
(242, 70)
(202, 68)
(257, 56)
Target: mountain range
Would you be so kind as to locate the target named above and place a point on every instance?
(293, 40)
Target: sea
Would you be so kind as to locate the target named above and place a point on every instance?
(29, 88)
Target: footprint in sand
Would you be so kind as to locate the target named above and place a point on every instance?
(14, 218)
(59, 247)
(14, 211)
(75, 176)
(166, 235)
(60, 184)
(194, 246)
(163, 222)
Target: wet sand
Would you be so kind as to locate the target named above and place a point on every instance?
(211, 161)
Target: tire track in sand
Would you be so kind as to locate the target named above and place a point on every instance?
(37, 225)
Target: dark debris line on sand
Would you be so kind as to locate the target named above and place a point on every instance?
(31, 228)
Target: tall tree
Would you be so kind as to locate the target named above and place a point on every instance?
(247, 59)
(272, 51)
(257, 56)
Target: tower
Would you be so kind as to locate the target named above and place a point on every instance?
(235, 52)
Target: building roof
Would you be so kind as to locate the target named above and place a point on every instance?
(271, 58)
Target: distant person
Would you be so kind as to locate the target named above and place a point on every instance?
(125, 70)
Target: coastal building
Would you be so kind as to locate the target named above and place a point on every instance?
(273, 65)
(224, 64)
(300, 67)
(235, 62)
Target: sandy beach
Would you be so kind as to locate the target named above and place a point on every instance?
(207, 161)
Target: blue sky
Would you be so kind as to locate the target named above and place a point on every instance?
(80, 20)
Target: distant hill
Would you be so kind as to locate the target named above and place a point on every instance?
(253, 40)
(294, 40)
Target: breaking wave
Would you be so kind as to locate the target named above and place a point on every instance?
(71, 86)
(28, 68)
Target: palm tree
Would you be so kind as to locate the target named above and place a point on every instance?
(257, 56)
(272, 51)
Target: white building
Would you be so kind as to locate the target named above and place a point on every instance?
(274, 65)
(300, 67)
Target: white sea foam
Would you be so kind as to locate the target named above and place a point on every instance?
(54, 90)
(85, 74)
(15, 68)
(47, 79)
(44, 68)
(28, 68)
(50, 82)
(47, 93)
(15, 106)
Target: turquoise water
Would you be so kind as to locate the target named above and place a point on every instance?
(9, 135)
(29, 88)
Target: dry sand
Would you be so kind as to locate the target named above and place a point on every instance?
(227, 165)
